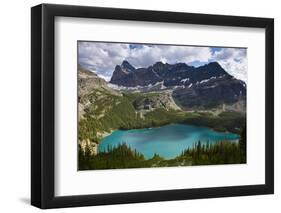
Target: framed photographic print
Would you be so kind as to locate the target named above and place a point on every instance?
(139, 106)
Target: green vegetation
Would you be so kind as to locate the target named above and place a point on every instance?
(123, 156)
(119, 157)
(218, 153)
(225, 121)
(139, 96)
(242, 145)
(108, 112)
(111, 112)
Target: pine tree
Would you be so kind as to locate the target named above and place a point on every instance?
(243, 145)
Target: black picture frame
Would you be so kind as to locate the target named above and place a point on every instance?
(43, 105)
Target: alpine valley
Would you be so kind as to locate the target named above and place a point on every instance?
(155, 96)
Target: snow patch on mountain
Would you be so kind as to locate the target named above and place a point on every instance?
(184, 80)
(204, 81)
(159, 85)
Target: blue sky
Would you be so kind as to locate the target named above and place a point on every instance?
(102, 57)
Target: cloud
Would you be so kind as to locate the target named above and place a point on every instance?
(233, 60)
(103, 57)
(148, 55)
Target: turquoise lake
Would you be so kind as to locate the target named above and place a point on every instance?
(167, 141)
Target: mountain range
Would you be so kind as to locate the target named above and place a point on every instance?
(203, 87)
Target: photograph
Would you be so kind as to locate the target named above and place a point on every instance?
(133, 105)
(160, 105)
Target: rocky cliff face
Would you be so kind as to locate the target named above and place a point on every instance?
(204, 87)
(126, 75)
(170, 74)
(153, 101)
(89, 84)
(211, 93)
(88, 81)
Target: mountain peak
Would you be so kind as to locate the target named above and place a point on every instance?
(126, 65)
(215, 64)
(214, 68)
(158, 63)
(181, 66)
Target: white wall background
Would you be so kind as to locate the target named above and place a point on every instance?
(15, 106)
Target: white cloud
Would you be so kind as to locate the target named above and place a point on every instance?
(103, 57)
(148, 55)
(233, 60)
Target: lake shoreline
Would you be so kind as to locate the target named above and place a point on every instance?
(211, 128)
(146, 140)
